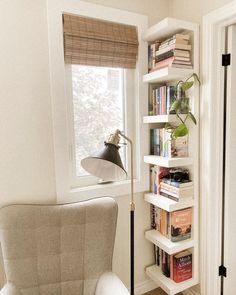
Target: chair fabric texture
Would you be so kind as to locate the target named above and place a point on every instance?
(57, 249)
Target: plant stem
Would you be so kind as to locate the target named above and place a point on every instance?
(180, 118)
(186, 118)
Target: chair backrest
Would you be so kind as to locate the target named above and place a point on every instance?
(58, 249)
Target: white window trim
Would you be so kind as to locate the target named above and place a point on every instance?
(59, 105)
(211, 144)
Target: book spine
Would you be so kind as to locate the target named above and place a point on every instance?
(165, 191)
(182, 47)
(152, 49)
(153, 216)
(178, 184)
(165, 55)
(155, 186)
(158, 256)
(154, 101)
(169, 196)
(164, 100)
(158, 219)
(149, 58)
(171, 267)
(164, 63)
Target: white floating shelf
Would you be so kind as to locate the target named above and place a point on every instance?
(161, 119)
(166, 28)
(168, 285)
(168, 162)
(165, 244)
(167, 74)
(168, 204)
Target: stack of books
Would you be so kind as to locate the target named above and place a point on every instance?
(177, 267)
(173, 180)
(162, 145)
(175, 225)
(176, 190)
(173, 52)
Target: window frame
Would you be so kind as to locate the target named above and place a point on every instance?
(62, 146)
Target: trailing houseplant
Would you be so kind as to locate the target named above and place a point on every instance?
(181, 108)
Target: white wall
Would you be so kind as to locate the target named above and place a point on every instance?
(193, 10)
(155, 9)
(26, 146)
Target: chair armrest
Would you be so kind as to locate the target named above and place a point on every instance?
(109, 284)
(9, 289)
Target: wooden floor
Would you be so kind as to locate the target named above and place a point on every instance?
(159, 292)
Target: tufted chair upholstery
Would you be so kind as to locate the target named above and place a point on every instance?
(60, 249)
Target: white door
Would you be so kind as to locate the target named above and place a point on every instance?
(230, 171)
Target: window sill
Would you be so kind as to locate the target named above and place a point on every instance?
(112, 189)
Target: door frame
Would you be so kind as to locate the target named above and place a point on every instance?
(211, 146)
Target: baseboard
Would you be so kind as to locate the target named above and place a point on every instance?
(144, 287)
(190, 292)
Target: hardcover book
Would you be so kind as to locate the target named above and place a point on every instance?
(182, 266)
(155, 142)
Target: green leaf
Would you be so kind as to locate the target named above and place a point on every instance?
(187, 85)
(180, 131)
(192, 118)
(175, 106)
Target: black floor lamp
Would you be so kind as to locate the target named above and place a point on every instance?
(108, 166)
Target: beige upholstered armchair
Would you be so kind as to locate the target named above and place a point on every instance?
(61, 249)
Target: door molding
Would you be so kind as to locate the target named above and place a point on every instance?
(211, 147)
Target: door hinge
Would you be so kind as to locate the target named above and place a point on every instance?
(222, 271)
(226, 59)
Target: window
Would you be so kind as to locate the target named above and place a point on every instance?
(98, 104)
(72, 183)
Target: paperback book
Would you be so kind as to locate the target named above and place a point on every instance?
(181, 224)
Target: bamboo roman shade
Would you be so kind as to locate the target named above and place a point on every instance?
(95, 42)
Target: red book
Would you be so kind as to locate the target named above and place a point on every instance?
(182, 266)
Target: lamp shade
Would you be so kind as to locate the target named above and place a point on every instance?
(107, 165)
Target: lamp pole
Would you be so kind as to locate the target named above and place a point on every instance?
(132, 209)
